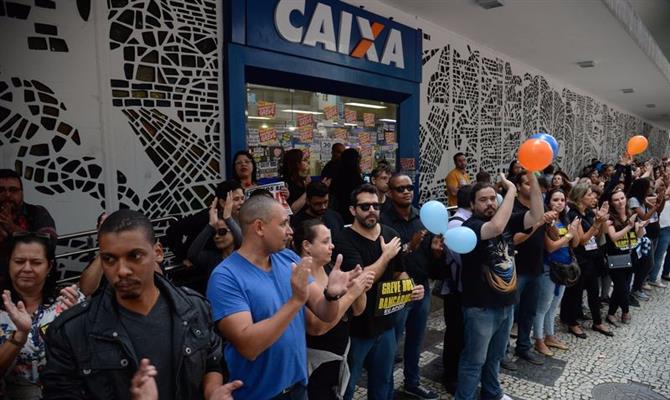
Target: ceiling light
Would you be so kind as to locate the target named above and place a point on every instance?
(488, 4)
(292, 128)
(628, 90)
(302, 112)
(386, 120)
(586, 64)
(365, 105)
(350, 124)
(650, 105)
(255, 117)
(264, 126)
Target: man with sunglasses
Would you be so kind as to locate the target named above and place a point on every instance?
(376, 247)
(17, 215)
(422, 253)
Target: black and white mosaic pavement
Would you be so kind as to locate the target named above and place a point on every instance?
(632, 365)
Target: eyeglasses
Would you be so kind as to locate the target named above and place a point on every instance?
(401, 189)
(222, 231)
(366, 206)
(11, 189)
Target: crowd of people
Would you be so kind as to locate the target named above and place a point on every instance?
(293, 299)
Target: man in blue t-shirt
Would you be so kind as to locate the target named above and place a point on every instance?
(257, 297)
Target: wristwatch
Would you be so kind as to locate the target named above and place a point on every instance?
(329, 297)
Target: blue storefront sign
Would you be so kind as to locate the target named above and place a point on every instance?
(325, 46)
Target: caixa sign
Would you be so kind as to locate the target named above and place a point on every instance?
(335, 32)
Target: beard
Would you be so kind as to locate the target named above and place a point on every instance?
(369, 221)
(128, 288)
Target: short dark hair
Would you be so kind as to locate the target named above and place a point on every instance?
(305, 231)
(381, 167)
(127, 220)
(483, 176)
(316, 189)
(49, 246)
(458, 155)
(477, 187)
(463, 196)
(253, 163)
(364, 188)
(257, 207)
(224, 187)
(517, 178)
(7, 173)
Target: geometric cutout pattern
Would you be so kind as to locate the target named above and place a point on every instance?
(481, 106)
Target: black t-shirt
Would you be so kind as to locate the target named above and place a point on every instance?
(330, 218)
(479, 263)
(529, 254)
(295, 191)
(359, 250)
(151, 336)
(588, 253)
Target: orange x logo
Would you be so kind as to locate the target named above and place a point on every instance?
(364, 44)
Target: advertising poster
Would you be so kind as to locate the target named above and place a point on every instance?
(330, 112)
(267, 135)
(367, 156)
(304, 119)
(364, 138)
(350, 116)
(389, 137)
(266, 109)
(341, 135)
(305, 133)
(392, 296)
(369, 120)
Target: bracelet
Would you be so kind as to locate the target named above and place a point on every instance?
(329, 297)
(15, 342)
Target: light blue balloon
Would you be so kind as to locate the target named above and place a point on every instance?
(460, 240)
(549, 139)
(499, 199)
(434, 216)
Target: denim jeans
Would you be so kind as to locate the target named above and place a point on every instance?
(528, 289)
(413, 320)
(486, 335)
(660, 255)
(379, 352)
(549, 298)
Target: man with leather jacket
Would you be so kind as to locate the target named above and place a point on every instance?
(140, 333)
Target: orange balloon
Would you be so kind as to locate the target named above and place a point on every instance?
(535, 155)
(637, 144)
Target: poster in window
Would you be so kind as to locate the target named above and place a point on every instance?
(305, 133)
(369, 120)
(267, 136)
(305, 119)
(330, 112)
(266, 109)
(364, 138)
(350, 116)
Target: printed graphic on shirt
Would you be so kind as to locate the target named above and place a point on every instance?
(627, 242)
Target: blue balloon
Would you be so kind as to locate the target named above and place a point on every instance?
(434, 216)
(460, 240)
(549, 139)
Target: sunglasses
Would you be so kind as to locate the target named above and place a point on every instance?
(366, 206)
(401, 189)
(222, 231)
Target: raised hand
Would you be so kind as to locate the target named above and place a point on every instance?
(299, 279)
(339, 281)
(506, 183)
(214, 213)
(68, 297)
(550, 216)
(390, 249)
(225, 392)
(573, 228)
(143, 385)
(416, 239)
(228, 205)
(363, 282)
(17, 313)
(437, 244)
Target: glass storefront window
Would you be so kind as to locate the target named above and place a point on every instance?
(280, 119)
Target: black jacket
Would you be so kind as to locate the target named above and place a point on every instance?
(90, 356)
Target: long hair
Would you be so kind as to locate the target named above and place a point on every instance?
(290, 166)
(614, 216)
(639, 189)
(563, 215)
(49, 247)
(577, 193)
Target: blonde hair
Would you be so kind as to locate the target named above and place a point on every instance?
(577, 193)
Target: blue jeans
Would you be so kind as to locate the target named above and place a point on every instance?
(661, 255)
(549, 298)
(486, 335)
(528, 289)
(413, 319)
(379, 352)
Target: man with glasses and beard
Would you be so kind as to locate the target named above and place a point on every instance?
(140, 336)
(374, 247)
(422, 253)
